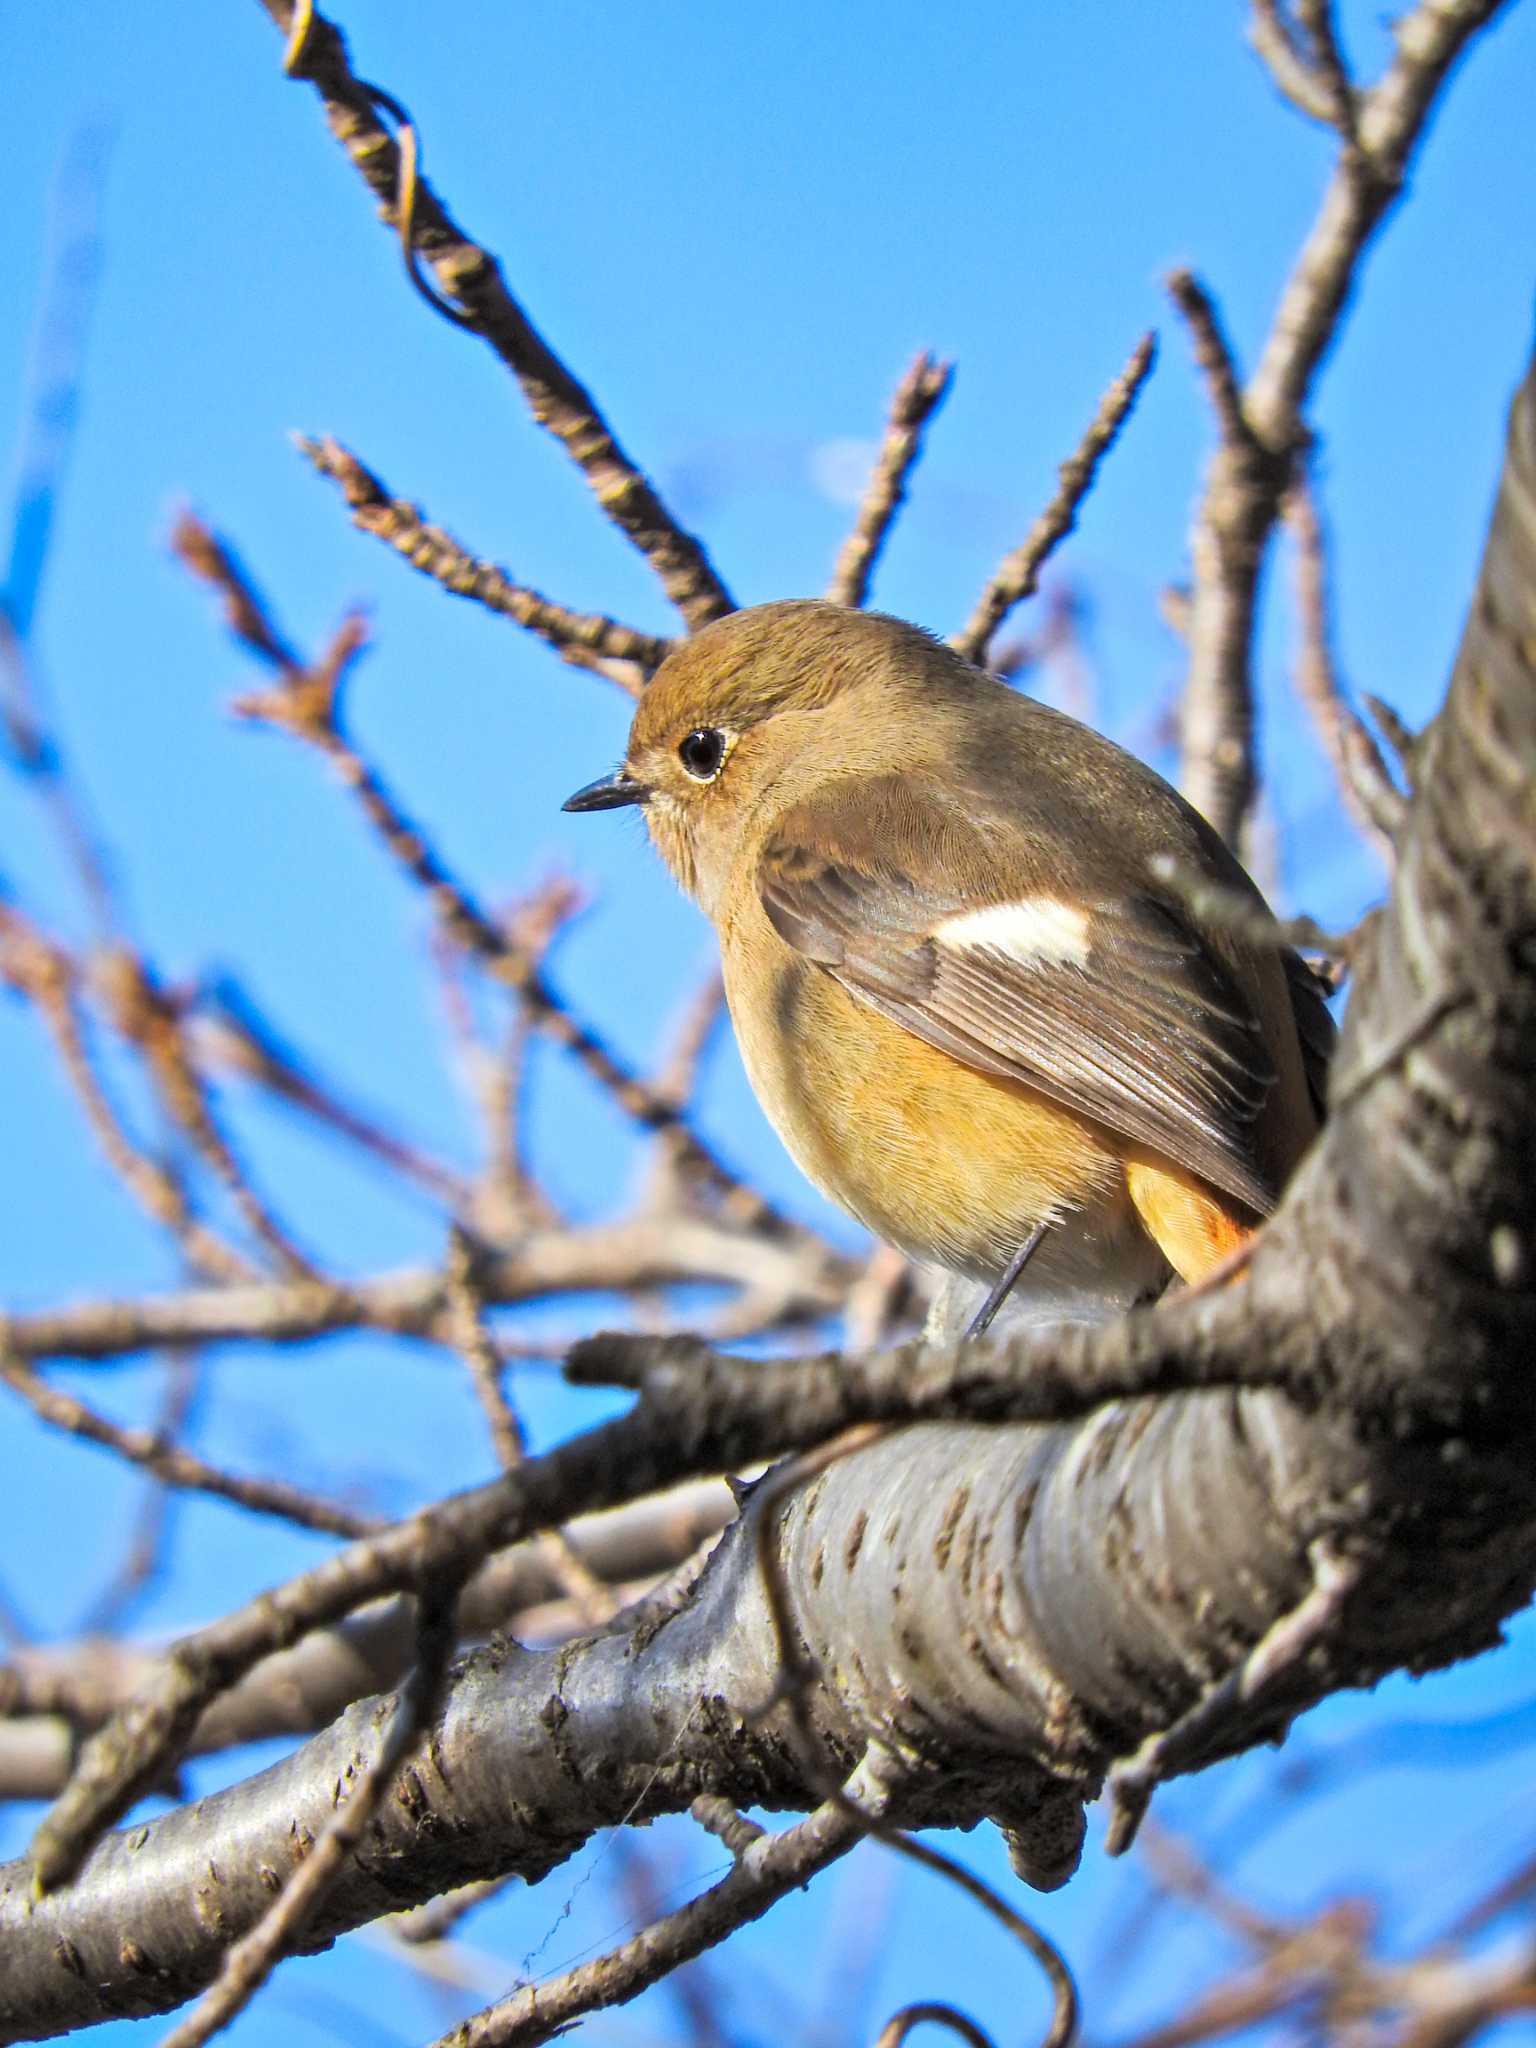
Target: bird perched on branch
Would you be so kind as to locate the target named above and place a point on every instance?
(969, 992)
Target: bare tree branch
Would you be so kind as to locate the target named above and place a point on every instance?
(764, 1870)
(472, 278)
(1367, 788)
(996, 1578)
(54, 1694)
(1262, 425)
(1017, 575)
(174, 1466)
(917, 398)
(588, 639)
(1305, 60)
(1030, 1669)
(805, 1279)
(228, 1032)
(305, 701)
(36, 967)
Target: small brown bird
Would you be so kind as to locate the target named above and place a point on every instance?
(974, 1010)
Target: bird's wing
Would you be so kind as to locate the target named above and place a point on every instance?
(1110, 1005)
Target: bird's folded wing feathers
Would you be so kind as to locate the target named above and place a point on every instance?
(1109, 1005)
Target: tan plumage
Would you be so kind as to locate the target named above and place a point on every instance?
(963, 995)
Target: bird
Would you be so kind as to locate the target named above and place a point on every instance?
(973, 989)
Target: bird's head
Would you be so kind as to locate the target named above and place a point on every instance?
(738, 707)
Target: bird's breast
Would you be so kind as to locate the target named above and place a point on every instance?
(950, 1165)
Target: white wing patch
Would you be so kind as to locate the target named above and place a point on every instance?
(1035, 931)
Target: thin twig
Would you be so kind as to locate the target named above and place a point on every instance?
(1180, 1872)
(50, 413)
(439, 1918)
(1242, 1691)
(157, 1454)
(766, 1869)
(1226, 909)
(229, 1032)
(883, 1290)
(1400, 736)
(246, 613)
(677, 1078)
(595, 1601)
(802, 1277)
(144, 1555)
(36, 752)
(253, 1958)
(1276, 41)
(917, 398)
(1373, 798)
(466, 1308)
(149, 1019)
(932, 2012)
(305, 701)
(1213, 354)
(512, 964)
(50, 978)
(1317, 19)
(508, 1197)
(1017, 575)
(1216, 713)
(1314, 79)
(472, 279)
(695, 1993)
(588, 639)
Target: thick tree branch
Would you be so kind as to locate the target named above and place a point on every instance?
(53, 1694)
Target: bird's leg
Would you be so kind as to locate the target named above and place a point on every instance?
(982, 1319)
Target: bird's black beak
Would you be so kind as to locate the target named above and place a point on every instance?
(608, 793)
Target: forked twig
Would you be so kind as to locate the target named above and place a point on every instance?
(588, 639)
(305, 701)
(1262, 429)
(477, 296)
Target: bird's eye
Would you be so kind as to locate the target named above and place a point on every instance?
(702, 752)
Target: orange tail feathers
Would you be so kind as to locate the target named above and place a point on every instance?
(1200, 1233)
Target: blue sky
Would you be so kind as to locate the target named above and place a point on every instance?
(738, 225)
